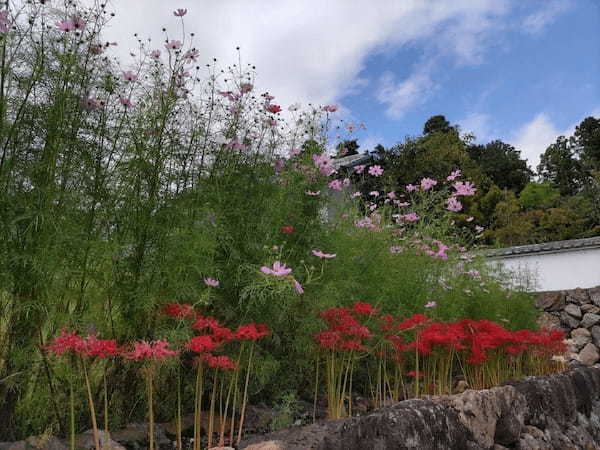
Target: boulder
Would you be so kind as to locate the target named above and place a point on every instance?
(550, 301)
(589, 355)
(594, 294)
(596, 335)
(579, 296)
(549, 321)
(589, 320)
(568, 320)
(580, 337)
(589, 308)
(573, 310)
(85, 441)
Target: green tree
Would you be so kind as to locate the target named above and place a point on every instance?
(502, 163)
(437, 124)
(587, 139)
(559, 166)
(538, 196)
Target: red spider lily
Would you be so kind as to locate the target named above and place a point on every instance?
(66, 342)
(201, 344)
(222, 334)
(219, 362)
(412, 322)
(179, 310)
(413, 374)
(352, 344)
(251, 332)
(287, 229)
(328, 339)
(155, 351)
(202, 323)
(99, 348)
(363, 309)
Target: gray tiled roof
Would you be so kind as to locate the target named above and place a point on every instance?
(548, 247)
(350, 161)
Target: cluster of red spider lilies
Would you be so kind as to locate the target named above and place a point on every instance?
(419, 356)
(208, 348)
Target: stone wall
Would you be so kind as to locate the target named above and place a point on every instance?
(577, 312)
(559, 412)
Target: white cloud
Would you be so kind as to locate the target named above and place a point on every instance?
(477, 124)
(534, 137)
(400, 97)
(545, 15)
(313, 50)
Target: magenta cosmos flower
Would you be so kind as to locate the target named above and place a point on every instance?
(4, 22)
(453, 204)
(331, 108)
(173, 45)
(298, 287)
(454, 175)
(466, 188)
(211, 282)
(427, 183)
(130, 76)
(336, 185)
(410, 217)
(180, 12)
(376, 171)
(279, 269)
(322, 255)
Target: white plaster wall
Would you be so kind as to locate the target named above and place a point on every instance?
(556, 271)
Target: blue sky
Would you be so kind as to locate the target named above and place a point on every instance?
(521, 71)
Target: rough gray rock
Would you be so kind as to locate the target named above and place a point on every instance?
(550, 301)
(568, 320)
(594, 295)
(559, 412)
(549, 321)
(573, 310)
(581, 337)
(589, 355)
(579, 296)
(596, 334)
(589, 320)
(590, 309)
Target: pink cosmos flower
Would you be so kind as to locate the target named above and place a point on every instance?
(279, 269)
(298, 287)
(411, 188)
(454, 175)
(173, 45)
(469, 219)
(155, 54)
(246, 87)
(430, 305)
(427, 183)
(130, 76)
(331, 108)
(453, 204)
(126, 102)
(191, 56)
(78, 24)
(4, 22)
(211, 282)
(324, 163)
(313, 194)
(180, 12)
(391, 195)
(356, 194)
(466, 188)
(273, 108)
(336, 185)
(396, 249)
(375, 171)
(66, 26)
(279, 164)
(410, 217)
(479, 229)
(322, 255)
(360, 168)
(403, 204)
(374, 194)
(295, 152)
